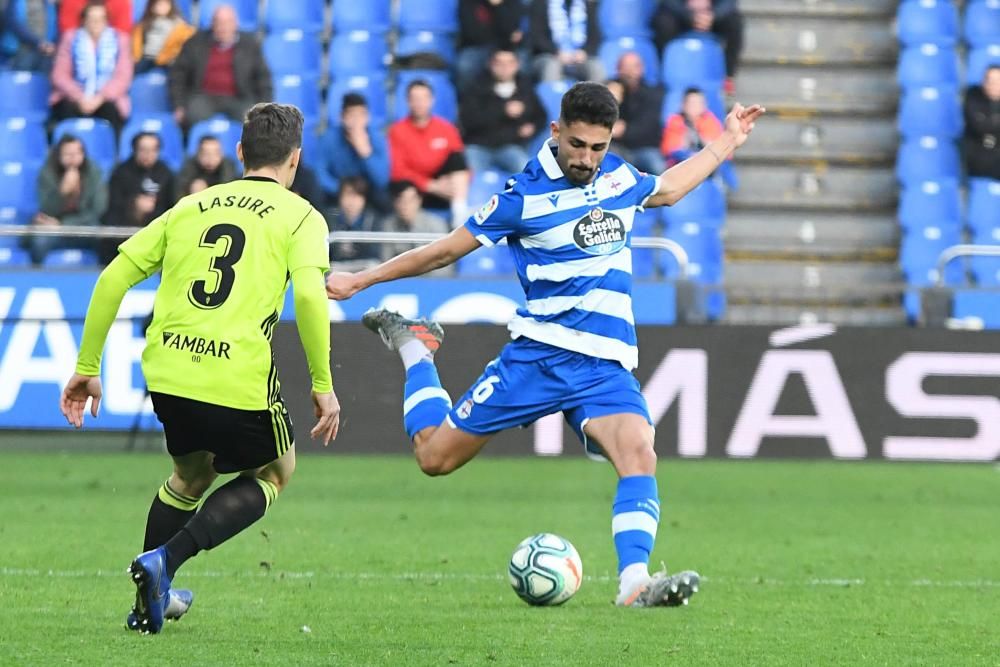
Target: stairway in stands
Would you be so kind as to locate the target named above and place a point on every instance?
(811, 232)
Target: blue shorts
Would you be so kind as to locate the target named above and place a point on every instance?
(530, 380)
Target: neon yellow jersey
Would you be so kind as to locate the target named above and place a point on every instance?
(226, 255)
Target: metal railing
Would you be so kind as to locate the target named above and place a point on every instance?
(952, 253)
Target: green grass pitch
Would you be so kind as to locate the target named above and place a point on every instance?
(363, 561)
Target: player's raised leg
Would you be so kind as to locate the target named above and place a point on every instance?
(627, 441)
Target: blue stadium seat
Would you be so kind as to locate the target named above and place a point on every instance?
(984, 306)
(300, 90)
(930, 204)
(550, 94)
(611, 51)
(293, 51)
(228, 132)
(10, 216)
(982, 23)
(23, 140)
(98, 138)
(18, 191)
(434, 15)
(927, 65)
(927, 22)
(424, 41)
(928, 111)
(485, 184)
(371, 15)
(984, 204)
(644, 259)
(139, 6)
(358, 52)
(626, 18)
(927, 159)
(985, 270)
(445, 97)
(487, 262)
(371, 86)
(706, 204)
(980, 60)
(150, 93)
(305, 15)
(693, 59)
(245, 9)
(164, 126)
(919, 253)
(68, 258)
(713, 98)
(24, 94)
(10, 256)
(704, 248)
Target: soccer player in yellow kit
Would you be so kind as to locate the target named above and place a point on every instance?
(226, 254)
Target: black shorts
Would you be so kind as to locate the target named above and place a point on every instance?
(240, 439)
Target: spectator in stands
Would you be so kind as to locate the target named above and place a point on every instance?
(500, 117)
(206, 168)
(71, 191)
(428, 152)
(29, 35)
(484, 26)
(721, 17)
(354, 149)
(353, 214)
(119, 14)
(408, 216)
(92, 71)
(982, 126)
(637, 133)
(141, 189)
(306, 185)
(159, 35)
(690, 129)
(219, 71)
(564, 39)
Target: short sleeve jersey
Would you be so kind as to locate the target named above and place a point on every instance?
(571, 245)
(226, 254)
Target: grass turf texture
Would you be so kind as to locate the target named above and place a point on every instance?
(827, 563)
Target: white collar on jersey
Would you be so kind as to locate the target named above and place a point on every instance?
(547, 158)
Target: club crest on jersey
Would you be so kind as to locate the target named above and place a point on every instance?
(465, 409)
(599, 232)
(486, 210)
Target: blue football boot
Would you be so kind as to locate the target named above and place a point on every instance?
(149, 574)
(180, 600)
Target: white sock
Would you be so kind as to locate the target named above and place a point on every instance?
(630, 577)
(413, 352)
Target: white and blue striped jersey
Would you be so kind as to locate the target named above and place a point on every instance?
(571, 245)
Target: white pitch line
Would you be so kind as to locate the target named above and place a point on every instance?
(15, 572)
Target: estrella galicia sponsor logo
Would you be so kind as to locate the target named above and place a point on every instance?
(599, 232)
(196, 345)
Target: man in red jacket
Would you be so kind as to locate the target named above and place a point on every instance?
(428, 151)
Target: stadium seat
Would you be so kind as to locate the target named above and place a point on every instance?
(306, 15)
(644, 259)
(693, 59)
(706, 204)
(485, 184)
(927, 65)
(611, 51)
(979, 60)
(98, 138)
(11, 256)
(371, 86)
(982, 23)
(930, 204)
(927, 159)
(67, 258)
(433, 15)
(919, 253)
(164, 126)
(550, 93)
(984, 205)
(985, 270)
(424, 41)
(10, 216)
(226, 130)
(927, 22)
(626, 18)
(704, 249)
(150, 93)
(245, 9)
(984, 306)
(445, 97)
(24, 94)
(18, 191)
(713, 98)
(929, 111)
(486, 261)
(358, 52)
(23, 140)
(371, 15)
(300, 90)
(293, 51)
(139, 6)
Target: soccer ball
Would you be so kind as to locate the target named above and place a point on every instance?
(545, 570)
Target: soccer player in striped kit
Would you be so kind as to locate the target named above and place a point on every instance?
(567, 219)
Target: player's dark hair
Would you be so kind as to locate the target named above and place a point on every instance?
(353, 100)
(270, 133)
(417, 83)
(139, 136)
(590, 103)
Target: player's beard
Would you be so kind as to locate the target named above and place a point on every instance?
(579, 175)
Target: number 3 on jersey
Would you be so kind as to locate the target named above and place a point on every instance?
(222, 266)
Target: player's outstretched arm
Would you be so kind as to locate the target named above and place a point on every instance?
(313, 322)
(684, 177)
(444, 251)
(114, 281)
